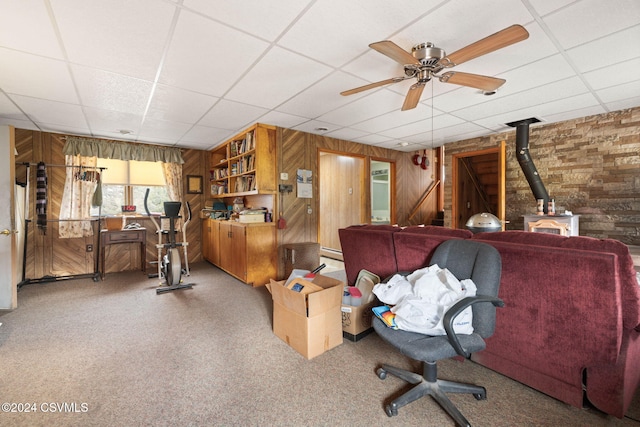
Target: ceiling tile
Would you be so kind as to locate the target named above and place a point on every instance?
(161, 131)
(231, 115)
(178, 105)
(25, 26)
(119, 35)
(373, 105)
(623, 72)
(50, 112)
(278, 76)
(535, 96)
(35, 76)
(207, 57)
(620, 92)
(334, 31)
(284, 120)
(543, 7)
(418, 128)
(206, 136)
(588, 20)
(395, 119)
(8, 110)
(346, 134)
(266, 20)
(109, 121)
(306, 102)
(608, 50)
(110, 91)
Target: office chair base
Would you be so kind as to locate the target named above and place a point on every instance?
(428, 385)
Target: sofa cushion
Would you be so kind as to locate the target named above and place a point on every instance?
(438, 231)
(524, 237)
(626, 273)
(368, 247)
(414, 250)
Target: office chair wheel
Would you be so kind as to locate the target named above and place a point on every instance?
(480, 396)
(382, 374)
(391, 410)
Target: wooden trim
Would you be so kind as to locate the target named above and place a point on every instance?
(501, 151)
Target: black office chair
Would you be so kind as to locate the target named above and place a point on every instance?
(466, 259)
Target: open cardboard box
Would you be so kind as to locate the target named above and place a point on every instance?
(356, 320)
(309, 320)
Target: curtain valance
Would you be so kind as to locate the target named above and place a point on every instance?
(110, 149)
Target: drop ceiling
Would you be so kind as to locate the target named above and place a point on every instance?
(192, 73)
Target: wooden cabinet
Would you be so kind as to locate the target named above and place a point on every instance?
(206, 239)
(246, 251)
(210, 245)
(245, 164)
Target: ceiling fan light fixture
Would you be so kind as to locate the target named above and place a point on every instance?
(427, 61)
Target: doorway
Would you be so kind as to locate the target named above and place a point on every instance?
(478, 184)
(341, 198)
(8, 236)
(382, 191)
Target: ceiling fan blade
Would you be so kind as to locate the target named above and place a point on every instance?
(477, 81)
(503, 38)
(371, 86)
(413, 96)
(395, 52)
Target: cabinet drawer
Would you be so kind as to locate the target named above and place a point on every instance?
(124, 236)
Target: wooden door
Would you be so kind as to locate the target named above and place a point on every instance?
(8, 244)
(342, 196)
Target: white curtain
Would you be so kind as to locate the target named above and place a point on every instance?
(79, 187)
(173, 178)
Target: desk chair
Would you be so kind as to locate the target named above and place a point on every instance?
(466, 259)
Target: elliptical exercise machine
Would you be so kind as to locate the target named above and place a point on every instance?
(170, 265)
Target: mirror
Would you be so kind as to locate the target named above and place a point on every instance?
(381, 194)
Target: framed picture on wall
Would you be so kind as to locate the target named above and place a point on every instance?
(194, 184)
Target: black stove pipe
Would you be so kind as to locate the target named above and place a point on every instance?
(526, 163)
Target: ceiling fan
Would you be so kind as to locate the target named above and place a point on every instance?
(426, 61)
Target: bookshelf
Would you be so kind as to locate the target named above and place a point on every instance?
(245, 164)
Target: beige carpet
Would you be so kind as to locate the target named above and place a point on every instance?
(113, 353)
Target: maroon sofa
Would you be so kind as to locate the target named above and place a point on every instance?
(570, 327)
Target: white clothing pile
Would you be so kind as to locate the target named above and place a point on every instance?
(420, 300)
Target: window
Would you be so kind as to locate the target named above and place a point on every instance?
(124, 182)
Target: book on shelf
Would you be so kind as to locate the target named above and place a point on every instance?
(245, 183)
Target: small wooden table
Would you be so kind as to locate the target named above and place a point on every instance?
(134, 235)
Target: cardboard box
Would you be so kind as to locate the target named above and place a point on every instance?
(308, 322)
(113, 223)
(356, 321)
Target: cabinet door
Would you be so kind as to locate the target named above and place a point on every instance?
(224, 248)
(238, 266)
(214, 242)
(206, 233)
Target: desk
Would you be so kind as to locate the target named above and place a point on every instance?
(112, 237)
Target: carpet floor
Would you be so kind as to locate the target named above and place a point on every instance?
(113, 353)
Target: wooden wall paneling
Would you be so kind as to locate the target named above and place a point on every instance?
(195, 163)
(70, 255)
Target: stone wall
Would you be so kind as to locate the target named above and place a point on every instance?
(590, 166)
